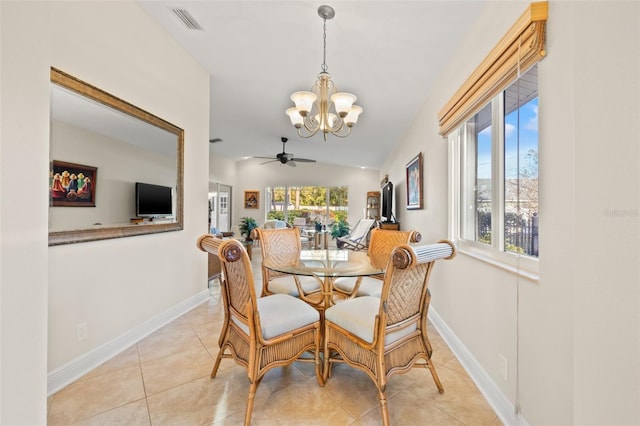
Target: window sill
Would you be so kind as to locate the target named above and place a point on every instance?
(513, 266)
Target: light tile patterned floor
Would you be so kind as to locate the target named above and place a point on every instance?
(164, 380)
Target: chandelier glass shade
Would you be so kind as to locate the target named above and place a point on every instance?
(324, 109)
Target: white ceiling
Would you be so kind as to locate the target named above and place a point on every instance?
(72, 108)
(388, 53)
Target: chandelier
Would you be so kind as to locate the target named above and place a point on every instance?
(323, 108)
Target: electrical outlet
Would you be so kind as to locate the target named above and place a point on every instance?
(81, 331)
(503, 367)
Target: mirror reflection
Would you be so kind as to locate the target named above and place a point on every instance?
(116, 170)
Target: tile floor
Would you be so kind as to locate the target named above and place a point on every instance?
(164, 380)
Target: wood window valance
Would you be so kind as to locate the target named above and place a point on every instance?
(519, 49)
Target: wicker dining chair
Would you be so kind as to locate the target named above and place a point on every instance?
(260, 333)
(283, 244)
(388, 335)
(381, 244)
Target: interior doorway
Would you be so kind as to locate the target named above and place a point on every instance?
(219, 207)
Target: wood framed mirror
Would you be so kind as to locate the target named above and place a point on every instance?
(101, 149)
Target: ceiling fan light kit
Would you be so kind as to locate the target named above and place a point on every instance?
(323, 108)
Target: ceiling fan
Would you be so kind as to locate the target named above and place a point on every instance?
(286, 158)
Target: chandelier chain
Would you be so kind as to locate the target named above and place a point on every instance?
(324, 46)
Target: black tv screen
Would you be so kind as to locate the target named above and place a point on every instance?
(153, 200)
(387, 201)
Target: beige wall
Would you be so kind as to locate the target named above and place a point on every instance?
(112, 285)
(575, 333)
(221, 169)
(24, 136)
(605, 268)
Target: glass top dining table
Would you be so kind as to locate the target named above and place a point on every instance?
(325, 266)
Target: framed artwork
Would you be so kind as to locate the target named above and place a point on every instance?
(414, 183)
(72, 185)
(251, 199)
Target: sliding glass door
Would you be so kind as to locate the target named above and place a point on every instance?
(317, 204)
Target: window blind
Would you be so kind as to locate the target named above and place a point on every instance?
(519, 49)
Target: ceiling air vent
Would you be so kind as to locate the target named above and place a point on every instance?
(187, 19)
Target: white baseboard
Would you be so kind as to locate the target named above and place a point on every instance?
(73, 370)
(504, 408)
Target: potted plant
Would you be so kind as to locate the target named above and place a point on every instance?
(247, 224)
(340, 228)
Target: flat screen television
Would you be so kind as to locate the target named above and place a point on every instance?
(387, 202)
(153, 200)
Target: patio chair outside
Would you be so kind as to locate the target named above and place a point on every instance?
(274, 224)
(306, 237)
(388, 335)
(260, 333)
(357, 239)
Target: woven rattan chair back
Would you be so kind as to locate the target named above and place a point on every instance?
(405, 291)
(383, 241)
(279, 241)
(281, 244)
(238, 287)
(404, 294)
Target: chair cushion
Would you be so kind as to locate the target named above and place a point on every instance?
(281, 313)
(368, 287)
(358, 317)
(287, 285)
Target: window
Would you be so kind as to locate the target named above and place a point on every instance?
(494, 159)
(521, 165)
(491, 123)
(477, 166)
(315, 203)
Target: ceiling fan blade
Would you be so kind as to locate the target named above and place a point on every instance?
(284, 157)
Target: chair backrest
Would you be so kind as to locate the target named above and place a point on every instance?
(238, 287)
(274, 224)
(276, 243)
(405, 294)
(299, 221)
(383, 241)
(361, 229)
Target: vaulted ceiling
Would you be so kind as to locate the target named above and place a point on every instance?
(388, 53)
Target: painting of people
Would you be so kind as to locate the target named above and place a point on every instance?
(251, 199)
(72, 185)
